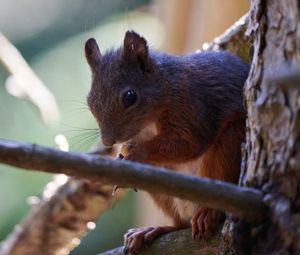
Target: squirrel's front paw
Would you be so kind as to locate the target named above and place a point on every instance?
(205, 222)
(135, 238)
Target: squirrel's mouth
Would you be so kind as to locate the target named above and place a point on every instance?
(143, 135)
(128, 141)
(146, 133)
(109, 142)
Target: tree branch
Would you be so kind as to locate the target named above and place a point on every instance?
(24, 83)
(179, 243)
(61, 218)
(243, 202)
(234, 40)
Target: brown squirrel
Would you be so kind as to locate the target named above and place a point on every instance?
(181, 112)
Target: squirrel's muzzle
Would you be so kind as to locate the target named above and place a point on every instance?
(107, 141)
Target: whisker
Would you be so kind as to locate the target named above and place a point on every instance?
(82, 136)
(78, 110)
(84, 141)
(78, 128)
(76, 101)
(82, 132)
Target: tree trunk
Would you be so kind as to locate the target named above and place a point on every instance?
(272, 151)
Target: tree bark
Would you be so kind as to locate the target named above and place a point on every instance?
(272, 151)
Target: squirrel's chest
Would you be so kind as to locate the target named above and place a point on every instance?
(178, 209)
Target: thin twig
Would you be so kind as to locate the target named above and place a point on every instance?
(243, 202)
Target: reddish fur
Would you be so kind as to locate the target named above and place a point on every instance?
(221, 161)
(166, 204)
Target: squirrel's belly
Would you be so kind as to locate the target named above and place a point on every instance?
(186, 209)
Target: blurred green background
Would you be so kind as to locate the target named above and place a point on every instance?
(51, 36)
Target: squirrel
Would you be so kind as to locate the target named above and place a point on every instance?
(184, 113)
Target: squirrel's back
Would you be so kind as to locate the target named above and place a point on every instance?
(204, 90)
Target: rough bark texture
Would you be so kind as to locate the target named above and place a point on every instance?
(272, 153)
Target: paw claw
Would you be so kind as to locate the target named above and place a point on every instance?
(194, 237)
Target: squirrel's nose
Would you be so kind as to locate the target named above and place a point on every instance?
(107, 141)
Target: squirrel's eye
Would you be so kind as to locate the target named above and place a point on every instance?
(129, 98)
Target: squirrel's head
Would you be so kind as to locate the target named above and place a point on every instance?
(125, 92)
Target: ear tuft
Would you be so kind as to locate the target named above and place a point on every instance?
(92, 53)
(135, 47)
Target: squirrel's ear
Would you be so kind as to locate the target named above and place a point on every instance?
(92, 53)
(135, 48)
